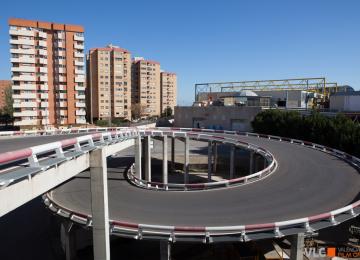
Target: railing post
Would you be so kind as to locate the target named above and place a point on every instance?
(232, 155)
(99, 204)
(209, 160)
(165, 160)
(147, 140)
(186, 161)
(138, 156)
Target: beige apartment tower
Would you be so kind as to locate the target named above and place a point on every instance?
(48, 75)
(146, 90)
(109, 83)
(168, 90)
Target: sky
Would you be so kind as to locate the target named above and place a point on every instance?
(213, 41)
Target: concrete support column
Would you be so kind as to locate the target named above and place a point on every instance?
(215, 157)
(99, 204)
(147, 140)
(251, 162)
(165, 160)
(232, 161)
(186, 160)
(165, 250)
(209, 160)
(68, 239)
(297, 247)
(173, 154)
(138, 156)
(256, 163)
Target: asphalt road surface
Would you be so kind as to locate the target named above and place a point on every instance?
(307, 182)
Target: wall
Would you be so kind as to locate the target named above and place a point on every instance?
(217, 117)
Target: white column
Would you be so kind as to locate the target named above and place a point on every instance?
(172, 154)
(147, 140)
(209, 160)
(186, 160)
(232, 157)
(99, 204)
(165, 160)
(165, 250)
(297, 247)
(138, 156)
(251, 163)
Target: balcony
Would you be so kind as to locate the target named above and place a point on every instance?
(24, 69)
(42, 52)
(61, 53)
(24, 87)
(61, 104)
(44, 96)
(78, 38)
(78, 46)
(24, 78)
(43, 69)
(21, 32)
(80, 72)
(43, 78)
(80, 104)
(78, 55)
(63, 112)
(23, 60)
(80, 112)
(61, 79)
(80, 120)
(26, 122)
(59, 35)
(42, 35)
(61, 96)
(60, 70)
(60, 87)
(79, 63)
(77, 96)
(25, 104)
(45, 121)
(80, 79)
(44, 112)
(24, 96)
(60, 61)
(44, 87)
(43, 61)
(23, 51)
(44, 104)
(81, 88)
(22, 41)
(59, 44)
(26, 113)
(42, 43)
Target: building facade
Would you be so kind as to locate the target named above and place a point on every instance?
(109, 83)
(168, 90)
(48, 73)
(4, 84)
(146, 89)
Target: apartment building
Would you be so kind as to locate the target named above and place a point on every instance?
(146, 86)
(168, 82)
(48, 75)
(109, 83)
(4, 84)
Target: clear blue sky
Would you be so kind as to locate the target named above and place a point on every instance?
(205, 41)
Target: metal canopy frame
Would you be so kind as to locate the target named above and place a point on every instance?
(310, 84)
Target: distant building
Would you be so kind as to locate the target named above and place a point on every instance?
(168, 90)
(48, 73)
(145, 88)
(4, 84)
(109, 83)
(345, 101)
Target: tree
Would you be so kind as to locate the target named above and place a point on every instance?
(137, 110)
(8, 108)
(167, 112)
